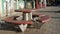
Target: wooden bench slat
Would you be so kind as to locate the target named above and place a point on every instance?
(10, 20)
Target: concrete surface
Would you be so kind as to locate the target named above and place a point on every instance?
(52, 27)
(48, 28)
(51, 8)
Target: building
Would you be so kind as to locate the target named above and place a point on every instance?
(8, 6)
(0, 8)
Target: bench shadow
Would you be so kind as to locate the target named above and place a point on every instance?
(35, 25)
(57, 11)
(56, 17)
(9, 27)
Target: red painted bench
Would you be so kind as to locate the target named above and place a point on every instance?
(38, 15)
(27, 10)
(43, 18)
(11, 20)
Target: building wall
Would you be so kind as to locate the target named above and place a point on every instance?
(0, 8)
(2, 11)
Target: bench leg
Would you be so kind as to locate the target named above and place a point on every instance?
(23, 27)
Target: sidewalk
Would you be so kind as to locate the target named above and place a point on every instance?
(51, 8)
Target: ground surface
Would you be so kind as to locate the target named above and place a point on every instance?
(52, 27)
(51, 8)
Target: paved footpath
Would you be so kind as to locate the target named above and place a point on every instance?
(51, 8)
(52, 27)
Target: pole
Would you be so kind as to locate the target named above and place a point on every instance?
(6, 9)
(37, 5)
(44, 3)
(17, 4)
